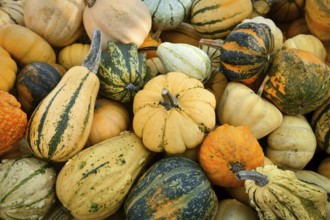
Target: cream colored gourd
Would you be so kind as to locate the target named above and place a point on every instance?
(239, 105)
(231, 209)
(94, 184)
(73, 55)
(155, 66)
(12, 12)
(59, 22)
(292, 145)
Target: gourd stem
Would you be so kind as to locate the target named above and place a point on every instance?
(210, 43)
(92, 60)
(156, 35)
(260, 179)
(169, 100)
(89, 3)
(262, 86)
(132, 87)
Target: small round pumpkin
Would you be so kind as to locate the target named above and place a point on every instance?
(228, 150)
(13, 121)
(110, 118)
(296, 27)
(324, 167)
(286, 10)
(8, 70)
(73, 55)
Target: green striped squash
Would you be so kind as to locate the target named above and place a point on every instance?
(172, 188)
(27, 188)
(59, 127)
(217, 18)
(246, 52)
(168, 14)
(320, 123)
(94, 183)
(122, 72)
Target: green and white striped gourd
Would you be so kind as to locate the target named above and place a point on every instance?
(27, 188)
(59, 127)
(185, 58)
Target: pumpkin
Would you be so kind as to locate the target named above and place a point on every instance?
(122, 21)
(286, 11)
(13, 121)
(298, 26)
(185, 58)
(217, 84)
(122, 72)
(298, 82)
(73, 55)
(320, 124)
(247, 52)
(239, 105)
(217, 18)
(94, 183)
(317, 17)
(59, 126)
(279, 194)
(109, 120)
(323, 167)
(231, 209)
(24, 45)
(27, 188)
(227, 150)
(59, 22)
(34, 81)
(12, 12)
(8, 70)
(307, 42)
(292, 145)
(170, 113)
(172, 188)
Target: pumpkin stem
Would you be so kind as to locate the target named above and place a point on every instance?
(260, 179)
(169, 100)
(262, 86)
(92, 60)
(210, 43)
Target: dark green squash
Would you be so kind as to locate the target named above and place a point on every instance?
(247, 52)
(34, 82)
(299, 82)
(122, 71)
(172, 188)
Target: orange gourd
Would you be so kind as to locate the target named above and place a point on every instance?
(13, 121)
(227, 150)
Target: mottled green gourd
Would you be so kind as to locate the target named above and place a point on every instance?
(122, 72)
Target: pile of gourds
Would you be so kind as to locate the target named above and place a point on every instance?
(157, 109)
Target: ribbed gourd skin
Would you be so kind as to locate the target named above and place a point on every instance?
(246, 52)
(173, 188)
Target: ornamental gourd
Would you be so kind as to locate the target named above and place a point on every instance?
(12, 12)
(59, 127)
(173, 112)
(286, 10)
(227, 150)
(8, 70)
(279, 194)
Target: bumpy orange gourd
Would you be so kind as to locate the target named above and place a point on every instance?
(13, 121)
(227, 150)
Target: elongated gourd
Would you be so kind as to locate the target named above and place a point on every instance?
(60, 125)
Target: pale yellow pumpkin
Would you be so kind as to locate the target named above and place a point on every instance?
(73, 55)
(8, 70)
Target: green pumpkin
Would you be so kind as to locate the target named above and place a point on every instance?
(122, 71)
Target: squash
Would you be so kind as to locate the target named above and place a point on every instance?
(73, 55)
(34, 81)
(59, 22)
(298, 82)
(239, 105)
(13, 121)
(121, 21)
(217, 18)
(109, 120)
(317, 15)
(27, 188)
(59, 127)
(279, 194)
(247, 52)
(172, 188)
(292, 145)
(307, 42)
(8, 70)
(95, 182)
(155, 66)
(217, 84)
(149, 45)
(227, 150)
(286, 11)
(323, 167)
(24, 45)
(298, 26)
(261, 7)
(123, 71)
(12, 12)
(169, 113)
(231, 209)
(185, 58)
(320, 124)
(212, 49)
